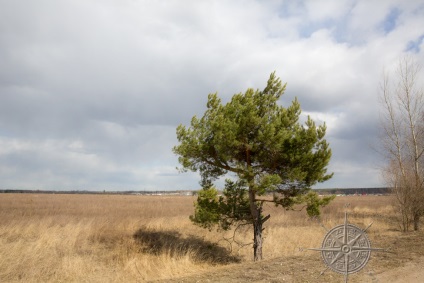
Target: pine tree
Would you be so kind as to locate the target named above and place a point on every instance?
(265, 146)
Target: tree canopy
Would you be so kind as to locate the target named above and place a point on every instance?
(264, 146)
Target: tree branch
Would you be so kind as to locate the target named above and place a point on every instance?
(219, 164)
(265, 200)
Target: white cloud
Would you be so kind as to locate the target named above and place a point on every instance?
(322, 10)
(331, 120)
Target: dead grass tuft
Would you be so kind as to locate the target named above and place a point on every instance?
(177, 246)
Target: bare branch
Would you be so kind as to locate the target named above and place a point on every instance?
(402, 140)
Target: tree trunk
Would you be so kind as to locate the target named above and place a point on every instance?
(257, 227)
(416, 222)
(256, 213)
(257, 239)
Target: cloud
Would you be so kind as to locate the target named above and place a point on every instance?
(92, 91)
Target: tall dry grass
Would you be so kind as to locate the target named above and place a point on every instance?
(114, 238)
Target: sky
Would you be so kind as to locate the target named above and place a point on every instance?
(91, 91)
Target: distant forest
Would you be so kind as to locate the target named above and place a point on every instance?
(335, 191)
(356, 191)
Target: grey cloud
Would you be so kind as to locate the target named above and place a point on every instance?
(91, 92)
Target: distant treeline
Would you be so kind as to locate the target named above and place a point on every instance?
(355, 191)
(337, 191)
(98, 192)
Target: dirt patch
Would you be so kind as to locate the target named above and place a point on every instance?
(403, 262)
(411, 272)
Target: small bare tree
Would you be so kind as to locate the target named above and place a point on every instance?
(402, 124)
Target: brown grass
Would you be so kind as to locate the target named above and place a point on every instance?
(107, 238)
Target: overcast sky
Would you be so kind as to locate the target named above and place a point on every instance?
(91, 91)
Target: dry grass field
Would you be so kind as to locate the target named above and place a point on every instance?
(131, 238)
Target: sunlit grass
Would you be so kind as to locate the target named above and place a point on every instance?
(104, 238)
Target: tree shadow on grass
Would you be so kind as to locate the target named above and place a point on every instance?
(177, 246)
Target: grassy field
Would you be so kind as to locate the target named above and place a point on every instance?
(129, 238)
